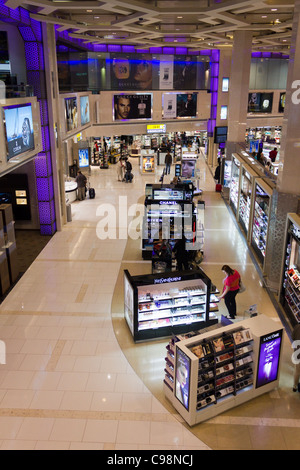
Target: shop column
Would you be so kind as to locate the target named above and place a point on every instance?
(286, 195)
(238, 90)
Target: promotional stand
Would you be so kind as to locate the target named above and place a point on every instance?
(246, 199)
(211, 373)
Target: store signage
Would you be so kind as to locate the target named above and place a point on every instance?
(167, 203)
(156, 129)
(268, 362)
(167, 280)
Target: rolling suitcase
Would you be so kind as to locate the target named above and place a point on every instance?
(92, 193)
(218, 188)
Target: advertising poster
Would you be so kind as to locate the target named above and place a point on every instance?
(19, 130)
(71, 113)
(182, 379)
(185, 73)
(84, 110)
(188, 169)
(186, 105)
(148, 164)
(131, 73)
(83, 155)
(268, 363)
(126, 107)
(169, 105)
(166, 72)
(281, 106)
(260, 102)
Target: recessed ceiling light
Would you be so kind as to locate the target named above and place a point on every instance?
(179, 17)
(264, 16)
(273, 9)
(89, 11)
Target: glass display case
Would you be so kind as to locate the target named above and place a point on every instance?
(158, 305)
(246, 198)
(290, 282)
(260, 221)
(235, 183)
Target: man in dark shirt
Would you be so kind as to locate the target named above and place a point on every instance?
(168, 163)
(81, 184)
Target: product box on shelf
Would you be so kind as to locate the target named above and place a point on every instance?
(223, 368)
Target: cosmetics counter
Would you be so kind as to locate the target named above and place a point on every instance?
(250, 200)
(170, 206)
(159, 305)
(290, 280)
(210, 373)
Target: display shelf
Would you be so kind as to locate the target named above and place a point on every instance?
(162, 304)
(222, 368)
(290, 283)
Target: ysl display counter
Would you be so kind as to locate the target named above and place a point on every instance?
(159, 305)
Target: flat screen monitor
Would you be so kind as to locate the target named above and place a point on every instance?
(268, 359)
(83, 156)
(71, 113)
(18, 129)
(84, 110)
(220, 136)
(182, 379)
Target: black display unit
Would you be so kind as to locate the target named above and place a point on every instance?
(168, 206)
(159, 305)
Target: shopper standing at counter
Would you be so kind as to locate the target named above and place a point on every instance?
(273, 154)
(230, 289)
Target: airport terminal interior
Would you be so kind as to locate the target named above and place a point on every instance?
(81, 365)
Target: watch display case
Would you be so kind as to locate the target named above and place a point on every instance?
(290, 282)
(160, 305)
(217, 370)
(260, 221)
(235, 183)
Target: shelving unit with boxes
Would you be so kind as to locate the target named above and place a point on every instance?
(213, 372)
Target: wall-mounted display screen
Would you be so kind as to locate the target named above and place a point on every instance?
(281, 106)
(126, 107)
(71, 113)
(84, 110)
(220, 135)
(268, 360)
(225, 85)
(260, 102)
(18, 129)
(83, 156)
(182, 379)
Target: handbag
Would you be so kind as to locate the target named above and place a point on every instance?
(242, 287)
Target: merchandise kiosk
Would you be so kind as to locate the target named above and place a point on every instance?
(260, 221)
(246, 197)
(170, 208)
(290, 279)
(147, 162)
(160, 305)
(236, 164)
(213, 372)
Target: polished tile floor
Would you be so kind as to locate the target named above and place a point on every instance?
(73, 377)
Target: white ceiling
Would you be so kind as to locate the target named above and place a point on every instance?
(150, 23)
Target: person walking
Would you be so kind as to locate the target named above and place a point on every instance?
(296, 346)
(231, 285)
(168, 163)
(81, 185)
(120, 169)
